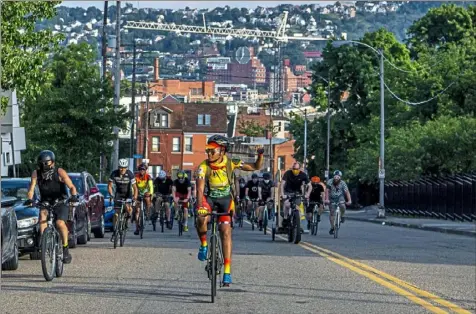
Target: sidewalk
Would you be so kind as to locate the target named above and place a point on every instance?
(369, 214)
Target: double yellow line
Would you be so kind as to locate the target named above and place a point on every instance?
(395, 284)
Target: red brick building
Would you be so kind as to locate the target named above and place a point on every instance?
(178, 133)
(193, 90)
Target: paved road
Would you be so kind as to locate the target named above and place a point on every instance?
(160, 274)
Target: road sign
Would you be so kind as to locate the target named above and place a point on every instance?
(326, 174)
(145, 161)
(138, 156)
(381, 174)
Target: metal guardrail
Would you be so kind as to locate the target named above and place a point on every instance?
(451, 197)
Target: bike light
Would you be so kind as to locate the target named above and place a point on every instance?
(28, 222)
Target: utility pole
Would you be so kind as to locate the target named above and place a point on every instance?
(146, 126)
(381, 174)
(328, 127)
(103, 73)
(117, 83)
(133, 104)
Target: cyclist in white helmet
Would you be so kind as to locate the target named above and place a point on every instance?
(163, 191)
(126, 186)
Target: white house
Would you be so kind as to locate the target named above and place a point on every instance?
(13, 136)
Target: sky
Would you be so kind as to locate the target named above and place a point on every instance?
(192, 4)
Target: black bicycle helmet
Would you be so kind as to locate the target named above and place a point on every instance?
(142, 167)
(338, 173)
(220, 140)
(254, 176)
(44, 156)
(266, 176)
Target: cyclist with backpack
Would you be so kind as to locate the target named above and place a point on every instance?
(216, 172)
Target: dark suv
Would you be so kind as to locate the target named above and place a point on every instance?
(89, 194)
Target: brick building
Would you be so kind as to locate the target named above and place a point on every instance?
(178, 133)
(251, 73)
(193, 90)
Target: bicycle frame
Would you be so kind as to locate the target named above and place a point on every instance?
(56, 269)
(215, 258)
(337, 218)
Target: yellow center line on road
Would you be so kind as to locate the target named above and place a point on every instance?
(372, 274)
(453, 307)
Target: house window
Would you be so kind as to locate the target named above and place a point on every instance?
(176, 144)
(7, 157)
(204, 119)
(188, 144)
(161, 120)
(155, 143)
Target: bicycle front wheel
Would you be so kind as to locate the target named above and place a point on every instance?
(59, 257)
(48, 254)
(141, 222)
(336, 224)
(265, 220)
(213, 262)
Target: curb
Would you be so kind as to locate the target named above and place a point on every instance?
(413, 226)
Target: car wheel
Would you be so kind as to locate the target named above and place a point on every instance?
(101, 231)
(89, 229)
(35, 256)
(12, 264)
(83, 238)
(74, 235)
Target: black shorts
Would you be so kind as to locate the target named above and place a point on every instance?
(117, 205)
(62, 211)
(310, 207)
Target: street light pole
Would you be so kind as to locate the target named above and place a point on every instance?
(117, 83)
(381, 212)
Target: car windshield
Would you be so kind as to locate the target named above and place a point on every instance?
(17, 189)
(103, 190)
(78, 183)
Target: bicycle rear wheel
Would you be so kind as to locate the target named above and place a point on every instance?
(59, 257)
(48, 254)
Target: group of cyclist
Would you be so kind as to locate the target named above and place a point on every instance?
(215, 188)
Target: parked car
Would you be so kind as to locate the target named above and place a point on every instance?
(28, 239)
(9, 234)
(109, 212)
(92, 220)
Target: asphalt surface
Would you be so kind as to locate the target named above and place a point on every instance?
(161, 274)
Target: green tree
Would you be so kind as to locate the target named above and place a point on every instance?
(24, 48)
(75, 117)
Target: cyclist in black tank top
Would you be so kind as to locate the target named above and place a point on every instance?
(52, 183)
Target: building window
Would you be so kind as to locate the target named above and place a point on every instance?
(188, 144)
(204, 119)
(7, 158)
(161, 120)
(156, 144)
(176, 144)
(281, 163)
(196, 91)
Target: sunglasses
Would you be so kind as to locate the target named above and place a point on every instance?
(212, 151)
